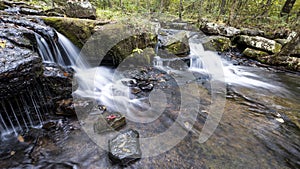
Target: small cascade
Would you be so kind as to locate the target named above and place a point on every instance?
(61, 51)
(20, 113)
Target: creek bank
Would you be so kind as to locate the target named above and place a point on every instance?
(278, 48)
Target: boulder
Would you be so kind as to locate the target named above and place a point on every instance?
(125, 147)
(217, 43)
(19, 67)
(83, 9)
(218, 29)
(174, 42)
(254, 54)
(259, 43)
(77, 30)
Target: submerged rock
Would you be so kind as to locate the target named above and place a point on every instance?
(109, 122)
(65, 107)
(125, 147)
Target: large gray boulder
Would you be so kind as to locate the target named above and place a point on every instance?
(80, 10)
(218, 29)
(260, 43)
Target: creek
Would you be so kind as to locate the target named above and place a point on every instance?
(258, 127)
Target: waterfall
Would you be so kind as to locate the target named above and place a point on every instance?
(61, 51)
(19, 113)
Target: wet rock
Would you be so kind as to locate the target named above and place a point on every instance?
(135, 90)
(65, 107)
(254, 54)
(146, 86)
(49, 125)
(217, 43)
(125, 147)
(58, 81)
(174, 42)
(19, 67)
(216, 29)
(109, 121)
(83, 9)
(260, 43)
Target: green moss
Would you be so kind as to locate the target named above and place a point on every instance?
(77, 30)
(253, 53)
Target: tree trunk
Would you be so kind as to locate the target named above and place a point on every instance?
(109, 4)
(52, 4)
(287, 7)
(266, 8)
(180, 10)
(232, 12)
(222, 8)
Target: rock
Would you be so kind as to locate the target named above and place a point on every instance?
(217, 43)
(216, 29)
(293, 63)
(174, 42)
(109, 121)
(260, 43)
(65, 107)
(252, 32)
(77, 30)
(282, 41)
(58, 81)
(125, 147)
(116, 42)
(254, 54)
(138, 58)
(83, 9)
(19, 67)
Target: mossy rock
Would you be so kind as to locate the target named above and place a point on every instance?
(260, 43)
(2, 5)
(254, 54)
(77, 30)
(217, 43)
(175, 43)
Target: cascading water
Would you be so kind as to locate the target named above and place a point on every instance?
(19, 113)
(28, 109)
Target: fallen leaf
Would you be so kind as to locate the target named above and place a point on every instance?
(21, 139)
(12, 153)
(3, 43)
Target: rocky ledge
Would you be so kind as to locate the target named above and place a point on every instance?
(277, 48)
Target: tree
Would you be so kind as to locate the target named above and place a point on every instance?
(287, 7)
(222, 8)
(180, 10)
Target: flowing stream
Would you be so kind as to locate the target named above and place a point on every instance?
(259, 127)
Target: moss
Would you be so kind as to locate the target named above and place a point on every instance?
(217, 43)
(77, 30)
(255, 54)
(2, 5)
(277, 48)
